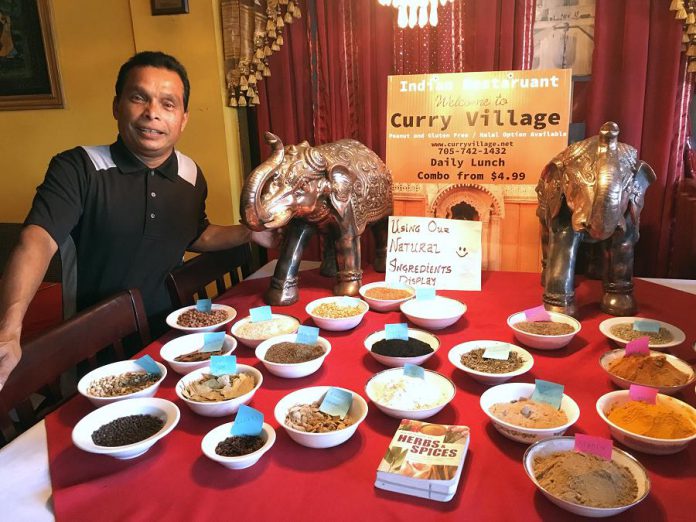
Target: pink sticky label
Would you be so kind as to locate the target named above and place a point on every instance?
(537, 313)
(593, 445)
(638, 346)
(642, 393)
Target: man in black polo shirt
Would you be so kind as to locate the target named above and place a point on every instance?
(131, 208)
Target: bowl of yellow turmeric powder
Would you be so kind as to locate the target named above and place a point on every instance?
(662, 428)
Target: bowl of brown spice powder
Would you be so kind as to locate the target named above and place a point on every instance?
(490, 370)
(667, 373)
(544, 335)
(285, 357)
(385, 297)
(621, 331)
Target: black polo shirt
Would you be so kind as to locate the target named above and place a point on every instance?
(130, 224)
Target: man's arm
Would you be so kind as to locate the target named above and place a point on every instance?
(23, 275)
(220, 237)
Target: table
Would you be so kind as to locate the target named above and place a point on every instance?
(348, 471)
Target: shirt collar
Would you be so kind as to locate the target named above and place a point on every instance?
(128, 163)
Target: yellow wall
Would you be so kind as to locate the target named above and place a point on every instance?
(93, 38)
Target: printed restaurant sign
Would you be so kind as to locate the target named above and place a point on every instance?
(431, 252)
(498, 127)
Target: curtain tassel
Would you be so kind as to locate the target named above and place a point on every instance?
(267, 72)
(267, 51)
(676, 5)
(280, 40)
(242, 101)
(255, 99)
(692, 66)
(288, 18)
(258, 75)
(681, 14)
(691, 29)
(275, 47)
(279, 22)
(233, 101)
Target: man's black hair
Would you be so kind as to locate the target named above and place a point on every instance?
(153, 59)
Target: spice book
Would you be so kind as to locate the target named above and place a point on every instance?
(424, 460)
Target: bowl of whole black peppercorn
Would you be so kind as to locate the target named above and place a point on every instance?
(418, 348)
(126, 429)
(237, 451)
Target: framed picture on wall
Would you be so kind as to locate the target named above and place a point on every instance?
(169, 7)
(29, 77)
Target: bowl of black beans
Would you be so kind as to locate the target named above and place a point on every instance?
(126, 429)
(417, 349)
(237, 451)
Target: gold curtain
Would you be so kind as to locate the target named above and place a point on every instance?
(252, 30)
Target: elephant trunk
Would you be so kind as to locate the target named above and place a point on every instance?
(254, 215)
(606, 209)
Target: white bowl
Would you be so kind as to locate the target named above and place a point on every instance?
(82, 432)
(563, 444)
(455, 357)
(191, 343)
(118, 368)
(254, 342)
(174, 316)
(385, 305)
(678, 336)
(393, 362)
(433, 314)
(434, 379)
(219, 408)
(357, 412)
(291, 370)
(217, 435)
(651, 445)
(336, 324)
(513, 391)
(544, 342)
(680, 365)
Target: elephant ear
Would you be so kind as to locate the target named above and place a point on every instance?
(549, 192)
(643, 177)
(342, 179)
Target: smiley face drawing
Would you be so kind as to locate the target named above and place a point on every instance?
(462, 252)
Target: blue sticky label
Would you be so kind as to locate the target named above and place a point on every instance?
(425, 292)
(247, 422)
(212, 342)
(396, 331)
(645, 325)
(307, 334)
(336, 402)
(204, 305)
(549, 392)
(500, 352)
(413, 370)
(262, 313)
(223, 365)
(148, 364)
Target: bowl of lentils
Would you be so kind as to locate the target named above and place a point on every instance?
(237, 451)
(285, 357)
(118, 381)
(385, 297)
(188, 319)
(126, 429)
(544, 335)
(252, 333)
(502, 361)
(418, 348)
(337, 313)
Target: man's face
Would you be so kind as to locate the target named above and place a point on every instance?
(150, 113)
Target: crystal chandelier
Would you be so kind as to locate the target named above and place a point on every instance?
(412, 12)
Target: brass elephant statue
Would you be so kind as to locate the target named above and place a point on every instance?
(338, 189)
(592, 191)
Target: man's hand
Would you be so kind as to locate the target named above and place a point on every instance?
(268, 238)
(10, 353)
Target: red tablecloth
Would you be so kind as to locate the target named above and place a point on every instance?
(174, 480)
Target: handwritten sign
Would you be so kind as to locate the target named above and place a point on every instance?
(538, 313)
(598, 446)
(500, 352)
(260, 314)
(640, 346)
(642, 393)
(307, 334)
(336, 402)
(432, 252)
(248, 422)
(413, 370)
(396, 331)
(148, 364)
(223, 365)
(549, 392)
(212, 342)
(204, 305)
(646, 325)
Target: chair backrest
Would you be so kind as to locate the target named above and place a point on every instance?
(46, 357)
(188, 281)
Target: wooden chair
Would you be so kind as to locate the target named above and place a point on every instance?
(106, 325)
(187, 282)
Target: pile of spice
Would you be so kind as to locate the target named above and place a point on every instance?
(660, 421)
(239, 445)
(404, 392)
(646, 369)
(263, 330)
(123, 384)
(127, 430)
(626, 332)
(333, 310)
(210, 388)
(196, 356)
(544, 327)
(585, 479)
(388, 294)
(308, 417)
(474, 359)
(401, 348)
(293, 353)
(529, 414)
(195, 319)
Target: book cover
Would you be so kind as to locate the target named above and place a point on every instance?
(424, 459)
